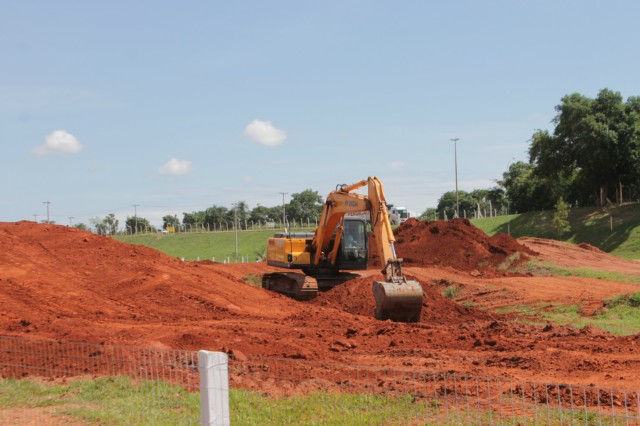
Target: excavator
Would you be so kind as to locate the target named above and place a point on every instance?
(340, 244)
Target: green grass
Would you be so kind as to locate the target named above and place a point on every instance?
(451, 292)
(621, 315)
(323, 408)
(590, 225)
(120, 401)
(538, 268)
(108, 400)
(220, 246)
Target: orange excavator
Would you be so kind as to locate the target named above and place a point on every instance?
(340, 244)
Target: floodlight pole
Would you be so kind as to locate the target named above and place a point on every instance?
(283, 210)
(235, 225)
(47, 203)
(135, 215)
(455, 156)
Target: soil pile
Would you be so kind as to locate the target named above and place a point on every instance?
(61, 279)
(356, 297)
(456, 243)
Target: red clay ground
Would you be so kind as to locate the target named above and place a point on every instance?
(59, 282)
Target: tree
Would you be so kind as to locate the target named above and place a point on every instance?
(216, 217)
(447, 204)
(498, 198)
(429, 214)
(239, 213)
(105, 226)
(137, 224)
(260, 214)
(170, 221)
(275, 213)
(525, 190)
(191, 220)
(559, 222)
(305, 205)
(81, 226)
(594, 151)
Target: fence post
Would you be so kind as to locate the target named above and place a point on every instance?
(214, 388)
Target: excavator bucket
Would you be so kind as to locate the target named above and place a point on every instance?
(398, 301)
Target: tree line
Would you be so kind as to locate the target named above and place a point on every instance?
(590, 157)
(304, 207)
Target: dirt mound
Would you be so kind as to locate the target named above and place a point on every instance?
(587, 246)
(356, 297)
(581, 255)
(59, 279)
(456, 243)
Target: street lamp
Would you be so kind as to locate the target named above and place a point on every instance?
(283, 211)
(455, 153)
(235, 225)
(47, 203)
(135, 215)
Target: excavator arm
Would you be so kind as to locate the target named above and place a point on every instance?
(342, 201)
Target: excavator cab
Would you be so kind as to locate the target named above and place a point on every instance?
(354, 252)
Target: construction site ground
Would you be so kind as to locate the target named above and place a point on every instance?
(63, 283)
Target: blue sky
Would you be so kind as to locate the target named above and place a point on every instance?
(178, 106)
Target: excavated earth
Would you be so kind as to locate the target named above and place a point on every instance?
(62, 283)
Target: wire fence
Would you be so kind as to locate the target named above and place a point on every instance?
(391, 396)
(55, 382)
(224, 226)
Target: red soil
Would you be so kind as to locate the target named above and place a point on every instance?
(456, 243)
(62, 283)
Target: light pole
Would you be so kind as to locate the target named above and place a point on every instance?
(455, 156)
(283, 211)
(47, 203)
(235, 225)
(70, 219)
(135, 215)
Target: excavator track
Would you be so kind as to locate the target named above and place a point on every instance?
(293, 284)
(328, 280)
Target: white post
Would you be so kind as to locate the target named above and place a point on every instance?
(214, 388)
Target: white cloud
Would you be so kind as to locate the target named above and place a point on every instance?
(264, 133)
(175, 167)
(397, 164)
(58, 142)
